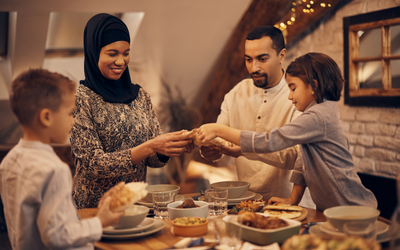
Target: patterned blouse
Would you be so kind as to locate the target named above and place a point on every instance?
(101, 140)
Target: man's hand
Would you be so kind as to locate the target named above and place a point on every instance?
(234, 151)
(212, 153)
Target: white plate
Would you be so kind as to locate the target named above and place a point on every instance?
(248, 195)
(146, 223)
(326, 227)
(158, 225)
(150, 204)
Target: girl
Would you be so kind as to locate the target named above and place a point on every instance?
(326, 167)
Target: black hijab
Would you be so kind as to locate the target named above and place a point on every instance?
(121, 90)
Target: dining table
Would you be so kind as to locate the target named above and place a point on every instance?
(165, 238)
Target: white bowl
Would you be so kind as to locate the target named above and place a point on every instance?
(236, 189)
(174, 212)
(134, 215)
(160, 188)
(339, 215)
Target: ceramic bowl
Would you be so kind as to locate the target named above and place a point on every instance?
(264, 236)
(160, 188)
(134, 215)
(191, 230)
(338, 216)
(200, 211)
(236, 189)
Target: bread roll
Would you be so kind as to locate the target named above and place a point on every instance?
(123, 195)
(217, 141)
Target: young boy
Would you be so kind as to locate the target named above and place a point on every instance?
(35, 185)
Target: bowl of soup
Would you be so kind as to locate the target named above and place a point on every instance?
(338, 216)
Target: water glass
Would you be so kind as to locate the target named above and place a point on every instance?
(217, 201)
(160, 204)
(227, 233)
(360, 229)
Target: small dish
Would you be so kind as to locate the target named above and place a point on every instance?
(158, 225)
(191, 230)
(147, 223)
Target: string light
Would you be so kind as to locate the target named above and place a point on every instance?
(306, 6)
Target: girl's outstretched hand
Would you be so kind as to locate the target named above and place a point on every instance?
(209, 131)
(281, 200)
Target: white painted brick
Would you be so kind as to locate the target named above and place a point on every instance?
(380, 129)
(352, 138)
(346, 126)
(397, 135)
(347, 113)
(380, 154)
(366, 165)
(387, 142)
(365, 140)
(359, 151)
(356, 162)
(367, 115)
(357, 128)
(391, 116)
(390, 168)
(351, 149)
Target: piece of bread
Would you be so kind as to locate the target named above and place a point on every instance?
(283, 214)
(123, 195)
(280, 206)
(217, 141)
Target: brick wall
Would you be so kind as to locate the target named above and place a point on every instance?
(374, 133)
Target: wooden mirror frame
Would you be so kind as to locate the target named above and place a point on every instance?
(354, 96)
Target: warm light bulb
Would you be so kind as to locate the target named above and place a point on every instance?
(329, 5)
(293, 10)
(308, 6)
(292, 19)
(304, 1)
(312, 10)
(294, 3)
(311, 2)
(323, 5)
(289, 22)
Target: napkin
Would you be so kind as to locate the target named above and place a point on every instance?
(249, 246)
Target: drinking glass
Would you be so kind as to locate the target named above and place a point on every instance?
(160, 204)
(217, 201)
(228, 234)
(360, 229)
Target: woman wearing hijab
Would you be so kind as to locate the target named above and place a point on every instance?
(116, 133)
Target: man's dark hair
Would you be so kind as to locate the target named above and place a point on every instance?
(278, 42)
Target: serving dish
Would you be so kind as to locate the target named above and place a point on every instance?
(264, 236)
(158, 225)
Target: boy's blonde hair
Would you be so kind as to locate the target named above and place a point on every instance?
(37, 89)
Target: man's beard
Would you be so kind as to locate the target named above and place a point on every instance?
(260, 83)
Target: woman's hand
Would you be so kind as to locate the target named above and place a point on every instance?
(172, 144)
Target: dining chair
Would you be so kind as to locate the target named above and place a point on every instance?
(385, 191)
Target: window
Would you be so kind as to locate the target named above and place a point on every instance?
(3, 34)
(372, 58)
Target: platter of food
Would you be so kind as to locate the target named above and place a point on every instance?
(262, 230)
(312, 242)
(281, 211)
